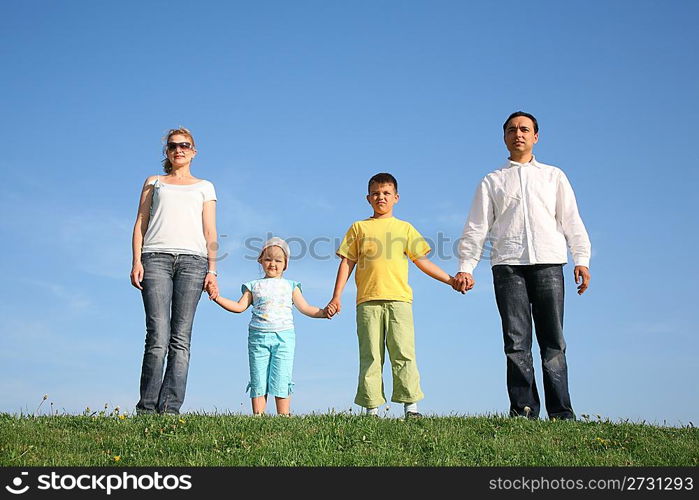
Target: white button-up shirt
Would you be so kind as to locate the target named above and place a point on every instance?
(526, 212)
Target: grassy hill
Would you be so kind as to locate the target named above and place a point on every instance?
(336, 440)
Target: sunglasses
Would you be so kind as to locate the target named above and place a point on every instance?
(172, 146)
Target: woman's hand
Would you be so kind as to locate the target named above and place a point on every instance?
(211, 286)
(137, 275)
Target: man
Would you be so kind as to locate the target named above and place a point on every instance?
(528, 213)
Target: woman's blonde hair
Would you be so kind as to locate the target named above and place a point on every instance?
(167, 166)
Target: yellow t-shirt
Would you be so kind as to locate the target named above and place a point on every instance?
(381, 248)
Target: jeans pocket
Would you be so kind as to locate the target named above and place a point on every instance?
(195, 265)
(501, 271)
(200, 263)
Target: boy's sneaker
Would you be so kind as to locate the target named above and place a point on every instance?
(371, 412)
(412, 414)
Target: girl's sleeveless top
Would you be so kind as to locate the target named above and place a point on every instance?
(271, 304)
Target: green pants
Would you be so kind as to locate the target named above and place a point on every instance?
(386, 323)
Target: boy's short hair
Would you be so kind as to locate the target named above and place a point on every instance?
(383, 178)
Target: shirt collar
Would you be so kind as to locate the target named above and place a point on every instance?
(532, 163)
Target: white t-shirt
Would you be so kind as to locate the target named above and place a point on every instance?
(176, 223)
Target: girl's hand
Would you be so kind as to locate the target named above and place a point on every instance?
(326, 313)
(212, 290)
(211, 286)
(333, 308)
(137, 275)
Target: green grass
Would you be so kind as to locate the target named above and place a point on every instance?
(336, 440)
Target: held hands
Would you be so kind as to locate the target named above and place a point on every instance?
(451, 284)
(332, 308)
(211, 286)
(325, 313)
(462, 282)
(582, 278)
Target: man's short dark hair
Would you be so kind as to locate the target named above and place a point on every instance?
(521, 113)
(383, 178)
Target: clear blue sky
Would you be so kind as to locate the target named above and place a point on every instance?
(294, 106)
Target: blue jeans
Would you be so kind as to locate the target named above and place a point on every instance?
(172, 287)
(523, 293)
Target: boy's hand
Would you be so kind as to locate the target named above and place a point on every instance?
(333, 308)
(451, 282)
(463, 282)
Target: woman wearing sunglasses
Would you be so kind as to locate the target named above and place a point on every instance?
(174, 259)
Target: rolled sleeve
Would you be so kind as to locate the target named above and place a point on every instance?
(349, 248)
(416, 246)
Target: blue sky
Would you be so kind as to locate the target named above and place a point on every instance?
(294, 106)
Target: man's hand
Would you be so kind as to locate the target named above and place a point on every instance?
(582, 278)
(463, 282)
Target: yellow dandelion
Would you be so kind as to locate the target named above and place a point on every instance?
(117, 458)
(122, 417)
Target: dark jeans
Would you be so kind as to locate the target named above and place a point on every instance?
(172, 287)
(523, 292)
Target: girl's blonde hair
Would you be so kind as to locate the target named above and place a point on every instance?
(167, 166)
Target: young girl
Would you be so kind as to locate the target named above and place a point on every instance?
(271, 337)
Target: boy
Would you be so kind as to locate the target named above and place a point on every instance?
(378, 247)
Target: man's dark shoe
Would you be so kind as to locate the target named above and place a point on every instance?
(562, 417)
(412, 414)
(525, 413)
